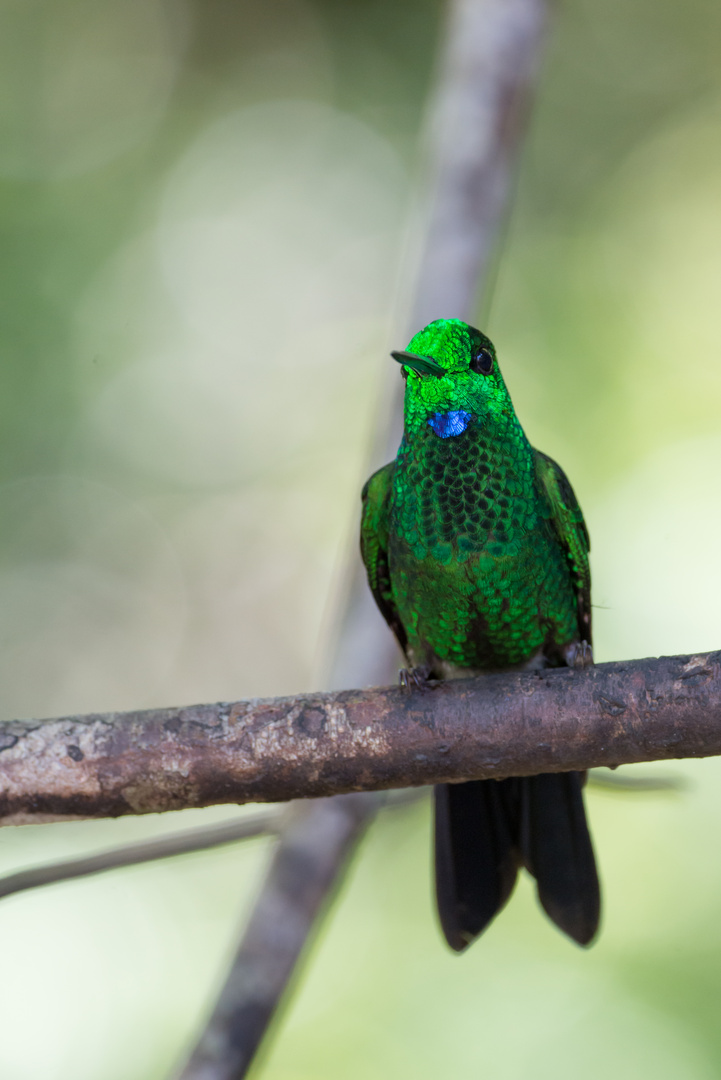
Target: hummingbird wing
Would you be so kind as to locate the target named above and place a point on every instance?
(374, 546)
(565, 514)
(555, 840)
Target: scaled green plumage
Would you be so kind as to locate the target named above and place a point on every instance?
(474, 543)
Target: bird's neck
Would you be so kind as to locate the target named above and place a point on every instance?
(480, 443)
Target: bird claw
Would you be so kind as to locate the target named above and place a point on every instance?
(415, 678)
(579, 655)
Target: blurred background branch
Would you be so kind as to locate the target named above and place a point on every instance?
(203, 838)
(200, 839)
(486, 72)
(314, 846)
(267, 822)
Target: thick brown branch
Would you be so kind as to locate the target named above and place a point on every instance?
(506, 724)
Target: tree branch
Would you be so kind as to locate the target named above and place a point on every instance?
(505, 724)
(316, 844)
(488, 63)
(202, 838)
(162, 847)
(477, 121)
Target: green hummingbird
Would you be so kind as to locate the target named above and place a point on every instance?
(477, 556)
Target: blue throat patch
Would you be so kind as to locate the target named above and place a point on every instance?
(448, 424)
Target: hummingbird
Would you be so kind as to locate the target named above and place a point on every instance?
(477, 556)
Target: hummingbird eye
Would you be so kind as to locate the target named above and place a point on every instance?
(482, 362)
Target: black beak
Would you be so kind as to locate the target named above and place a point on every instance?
(422, 364)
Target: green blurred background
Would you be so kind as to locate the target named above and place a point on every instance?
(202, 207)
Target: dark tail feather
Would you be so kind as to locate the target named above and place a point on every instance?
(557, 850)
(485, 829)
(476, 856)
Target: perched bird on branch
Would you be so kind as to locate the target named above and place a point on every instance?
(477, 555)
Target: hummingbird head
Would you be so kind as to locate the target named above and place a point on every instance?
(452, 377)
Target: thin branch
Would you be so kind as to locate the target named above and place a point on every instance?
(631, 785)
(203, 838)
(162, 847)
(315, 847)
(503, 724)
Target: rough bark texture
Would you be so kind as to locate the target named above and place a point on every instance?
(506, 724)
(317, 841)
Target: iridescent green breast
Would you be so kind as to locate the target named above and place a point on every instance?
(478, 576)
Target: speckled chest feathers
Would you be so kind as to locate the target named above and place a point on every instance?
(474, 543)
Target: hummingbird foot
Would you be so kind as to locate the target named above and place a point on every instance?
(579, 655)
(415, 678)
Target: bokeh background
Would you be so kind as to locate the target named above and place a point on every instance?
(202, 208)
